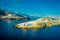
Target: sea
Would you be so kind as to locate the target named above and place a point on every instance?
(8, 31)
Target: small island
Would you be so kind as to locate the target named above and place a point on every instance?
(39, 23)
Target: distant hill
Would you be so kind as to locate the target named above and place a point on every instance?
(2, 12)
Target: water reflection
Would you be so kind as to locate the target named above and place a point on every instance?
(44, 33)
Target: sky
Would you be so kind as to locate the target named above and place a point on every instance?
(46, 7)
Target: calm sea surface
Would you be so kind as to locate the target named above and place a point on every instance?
(8, 30)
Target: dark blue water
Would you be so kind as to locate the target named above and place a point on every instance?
(8, 31)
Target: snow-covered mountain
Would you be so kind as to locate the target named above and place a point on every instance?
(29, 17)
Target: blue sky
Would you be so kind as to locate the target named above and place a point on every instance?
(46, 7)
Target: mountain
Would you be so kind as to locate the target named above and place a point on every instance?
(29, 17)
